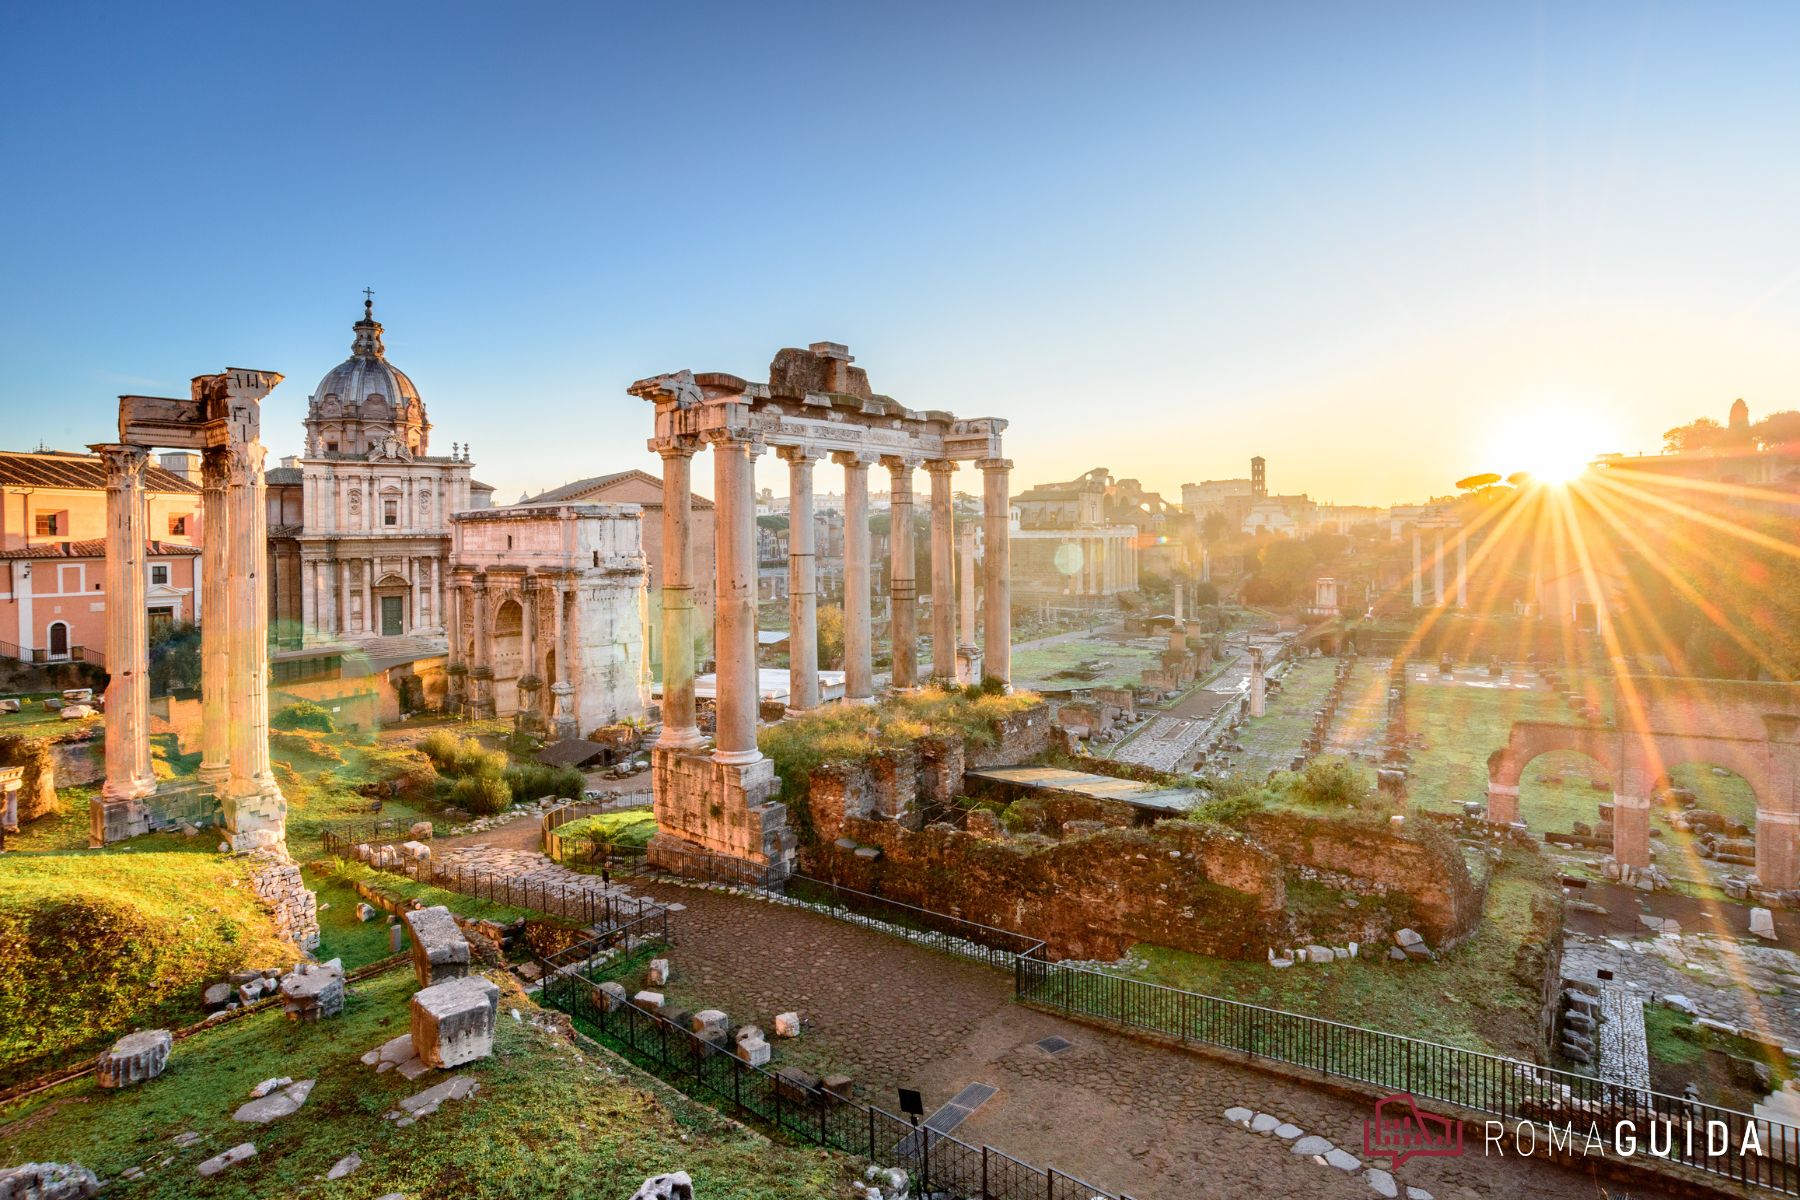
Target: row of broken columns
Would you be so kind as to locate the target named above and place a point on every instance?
(737, 691)
(234, 651)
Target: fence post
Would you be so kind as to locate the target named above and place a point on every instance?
(871, 1112)
(984, 1163)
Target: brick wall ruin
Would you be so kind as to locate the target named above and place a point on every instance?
(277, 883)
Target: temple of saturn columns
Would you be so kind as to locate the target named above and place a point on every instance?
(222, 419)
(719, 802)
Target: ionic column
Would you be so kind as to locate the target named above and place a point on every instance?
(128, 773)
(1257, 685)
(734, 546)
(943, 571)
(1437, 572)
(996, 504)
(1462, 569)
(1418, 572)
(903, 587)
(680, 729)
(803, 582)
(859, 669)
(309, 578)
(215, 625)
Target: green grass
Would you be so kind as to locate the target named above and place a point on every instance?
(33, 720)
(399, 887)
(1040, 666)
(549, 1120)
(341, 935)
(634, 827)
(1460, 727)
(1480, 995)
(93, 943)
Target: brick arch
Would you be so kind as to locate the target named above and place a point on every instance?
(1749, 728)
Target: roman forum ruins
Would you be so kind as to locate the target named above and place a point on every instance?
(222, 419)
(721, 803)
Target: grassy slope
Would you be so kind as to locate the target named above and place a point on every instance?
(548, 1120)
(1472, 997)
(634, 828)
(95, 942)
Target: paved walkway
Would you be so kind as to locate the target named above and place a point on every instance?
(1120, 1113)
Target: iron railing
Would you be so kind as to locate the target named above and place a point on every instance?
(1673, 1129)
(342, 840)
(710, 1072)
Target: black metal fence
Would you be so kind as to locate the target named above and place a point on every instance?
(1702, 1136)
(342, 840)
(710, 1071)
(939, 931)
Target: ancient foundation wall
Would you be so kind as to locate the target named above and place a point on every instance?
(277, 883)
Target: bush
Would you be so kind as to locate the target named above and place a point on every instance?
(417, 784)
(528, 781)
(481, 794)
(440, 747)
(303, 714)
(1332, 784)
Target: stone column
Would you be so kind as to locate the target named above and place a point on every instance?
(215, 625)
(481, 671)
(966, 661)
(1503, 803)
(255, 810)
(1437, 572)
(1631, 830)
(1462, 568)
(734, 545)
(568, 648)
(943, 571)
(680, 729)
(859, 670)
(1256, 681)
(996, 506)
(903, 589)
(803, 582)
(370, 625)
(128, 773)
(341, 609)
(1418, 572)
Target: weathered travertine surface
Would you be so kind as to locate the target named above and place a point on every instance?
(313, 990)
(134, 1058)
(48, 1181)
(453, 1022)
(439, 949)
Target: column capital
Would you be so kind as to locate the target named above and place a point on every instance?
(852, 460)
(994, 464)
(799, 455)
(734, 439)
(944, 466)
(901, 463)
(122, 459)
(674, 447)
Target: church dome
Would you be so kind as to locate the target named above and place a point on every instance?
(365, 402)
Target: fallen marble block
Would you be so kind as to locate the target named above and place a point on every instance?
(230, 1158)
(134, 1058)
(675, 1186)
(284, 1102)
(48, 1181)
(439, 949)
(314, 990)
(453, 1021)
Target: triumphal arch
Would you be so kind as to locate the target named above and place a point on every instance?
(222, 419)
(719, 802)
(1660, 723)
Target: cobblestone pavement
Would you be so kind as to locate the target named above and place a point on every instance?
(1624, 1052)
(1120, 1113)
(1744, 984)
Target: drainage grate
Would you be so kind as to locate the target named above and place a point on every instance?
(1054, 1045)
(955, 1111)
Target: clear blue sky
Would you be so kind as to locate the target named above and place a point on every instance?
(1351, 237)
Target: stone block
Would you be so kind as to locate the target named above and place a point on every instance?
(230, 1158)
(649, 1001)
(674, 1186)
(787, 1024)
(748, 1033)
(346, 1165)
(134, 1058)
(313, 991)
(217, 996)
(439, 950)
(1762, 924)
(48, 1181)
(658, 974)
(612, 995)
(709, 1024)
(366, 911)
(838, 1087)
(415, 850)
(754, 1051)
(274, 1105)
(421, 831)
(453, 1021)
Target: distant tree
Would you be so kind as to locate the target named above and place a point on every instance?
(1205, 592)
(831, 637)
(775, 521)
(175, 659)
(1477, 482)
(1777, 429)
(1214, 527)
(1695, 435)
(1519, 478)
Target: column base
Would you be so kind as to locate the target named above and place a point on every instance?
(257, 820)
(1503, 804)
(1631, 831)
(1777, 849)
(680, 739)
(717, 819)
(968, 664)
(215, 777)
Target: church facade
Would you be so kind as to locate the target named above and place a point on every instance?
(359, 521)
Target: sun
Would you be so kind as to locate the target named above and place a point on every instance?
(1552, 444)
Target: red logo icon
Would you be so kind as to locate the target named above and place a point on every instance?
(1400, 1131)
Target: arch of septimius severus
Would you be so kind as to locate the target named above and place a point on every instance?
(815, 404)
(222, 419)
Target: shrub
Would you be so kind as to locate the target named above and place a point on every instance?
(417, 784)
(440, 747)
(482, 794)
(1332, 784)
(303, 714)
(528, 781)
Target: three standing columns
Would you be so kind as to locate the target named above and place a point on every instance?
(996, 513)
(803, 583)
(943, 571)
(902, 585)
(680, 728)
(859, 671)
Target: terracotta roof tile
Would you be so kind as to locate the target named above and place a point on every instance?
(55, 469)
